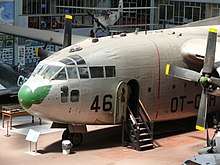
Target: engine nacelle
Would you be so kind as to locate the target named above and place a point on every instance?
(214, 89)
(215, 92)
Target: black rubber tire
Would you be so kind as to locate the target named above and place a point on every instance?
(75, 138)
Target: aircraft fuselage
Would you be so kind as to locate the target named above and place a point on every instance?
(87, 93)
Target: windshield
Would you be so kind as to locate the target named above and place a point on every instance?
(61, 75)
(39, 68)
(50, 71)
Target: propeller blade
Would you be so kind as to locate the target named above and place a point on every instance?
(201, 118)
(67, 31)
(97, 21)
(182, 73)
(91, 15)
(210, 51)
(215, 81)
(43, 53)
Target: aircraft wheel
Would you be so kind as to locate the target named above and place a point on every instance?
(75, 138)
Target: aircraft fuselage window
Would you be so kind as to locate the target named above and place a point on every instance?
(74, 96)
(83, 72)
(50, 71)
(96, 72)
(110, 71)
(72, 73)
(64, 94)
(61, 75)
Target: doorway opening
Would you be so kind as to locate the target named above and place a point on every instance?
(133, 93)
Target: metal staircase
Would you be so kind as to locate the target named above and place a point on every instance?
(138, 131)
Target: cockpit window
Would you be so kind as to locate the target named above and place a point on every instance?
(79, 60)
(50, 71)
(67, 61)
(83, 72)
(96, 72)
(110, 71)
(72, 72)
(61, 75)
(39, 68)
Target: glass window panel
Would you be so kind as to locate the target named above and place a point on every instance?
(96, 72)
(188, 14)
(162, 10)
(64, 94)
(79, 60)
(74, 96)
(67, 61)
(196, 14)
(61, 75)
(169, 12)
(181, 9)
(83, 72)
(50, 71)
(176, 9)
(72, 73)
(110, 71)
(215, 12)
(38, 68)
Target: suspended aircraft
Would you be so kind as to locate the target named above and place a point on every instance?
(11, 80)
(100, 81)
(105, 17)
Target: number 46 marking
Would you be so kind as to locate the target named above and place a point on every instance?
(106, 103)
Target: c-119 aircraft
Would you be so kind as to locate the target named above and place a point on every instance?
(98, 81)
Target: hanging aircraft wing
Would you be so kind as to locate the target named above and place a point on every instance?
(105, 8)
(5, 91)
(39, 35)
(10, 91)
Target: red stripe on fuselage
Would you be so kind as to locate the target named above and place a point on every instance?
(159, 78)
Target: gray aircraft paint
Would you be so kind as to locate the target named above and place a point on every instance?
(140, 57)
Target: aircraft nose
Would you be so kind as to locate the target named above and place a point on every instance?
(27, 97)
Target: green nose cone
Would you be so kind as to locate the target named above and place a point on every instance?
(27, 97)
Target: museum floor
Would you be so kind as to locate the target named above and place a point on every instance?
(100, 146)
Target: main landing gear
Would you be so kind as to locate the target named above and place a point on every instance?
(75, 138)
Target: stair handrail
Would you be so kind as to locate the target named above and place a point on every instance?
(149, 123)
(144, 110)
(133, 118)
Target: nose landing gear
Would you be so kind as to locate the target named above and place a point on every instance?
(75, 138)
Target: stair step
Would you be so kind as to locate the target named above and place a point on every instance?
(144, 140)
(146, 146)
(144, 134)
(140, 129)
(141, 135)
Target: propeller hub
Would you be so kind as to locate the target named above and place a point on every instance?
(205, 81)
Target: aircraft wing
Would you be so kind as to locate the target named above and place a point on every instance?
(5, 91)
(39, 35)
(105, 8)
(194, 50)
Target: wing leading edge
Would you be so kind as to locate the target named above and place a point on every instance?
(39, 35)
